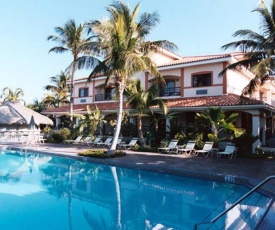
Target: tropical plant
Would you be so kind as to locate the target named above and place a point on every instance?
(13, 96)
(140, 102)
(90, 121)
(216, 121)
(258, 49)
(58, 136)
(121, 41)
(37, 105)
(60, 88)
(53, 100)
(71, 39)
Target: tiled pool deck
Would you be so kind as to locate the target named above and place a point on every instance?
(237, 170)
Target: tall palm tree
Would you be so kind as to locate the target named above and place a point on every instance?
(258, 48)
(71, 39)
(54, 100)
(60, 87)
(141, 101)
(37, 106)
(121, 42)
(13, 96)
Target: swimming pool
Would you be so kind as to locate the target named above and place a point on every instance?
(46, 192)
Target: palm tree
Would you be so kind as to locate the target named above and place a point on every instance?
(141, 101)
(121, 41)
(258, 49)
(54, 100)
(60, 84)
(71, 39)
(13, 96)
(215, 120)
(60, 88)
(91, 120)
(37, 106)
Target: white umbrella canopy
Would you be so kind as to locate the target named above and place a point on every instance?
(16, 113)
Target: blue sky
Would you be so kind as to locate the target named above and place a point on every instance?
(197, 27)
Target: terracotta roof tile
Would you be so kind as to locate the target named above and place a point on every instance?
(82, 107)
(191, 59)
(223, 100)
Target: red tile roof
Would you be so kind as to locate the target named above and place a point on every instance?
(223, 100)
(82, 107)
(191, 59)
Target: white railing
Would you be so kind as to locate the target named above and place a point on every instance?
(19, 136)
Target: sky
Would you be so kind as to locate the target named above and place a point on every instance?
(197, 27)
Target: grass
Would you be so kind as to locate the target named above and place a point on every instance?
(100, 153)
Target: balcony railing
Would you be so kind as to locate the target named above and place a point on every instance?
(168, 92)
(104, 97)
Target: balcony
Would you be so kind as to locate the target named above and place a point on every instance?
(104, 97)
(168, 92)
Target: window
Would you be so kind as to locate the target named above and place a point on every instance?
(203, 79)
(169, 89)
(109, 93)
(83, 92)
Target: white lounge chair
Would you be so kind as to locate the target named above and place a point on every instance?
(119, 140)
(132, 143)
(95, 142)
(85, 141)
(172, 147)
(206, 149)
(229, 151)
(188, 149)
(73, 141)
(105, 143)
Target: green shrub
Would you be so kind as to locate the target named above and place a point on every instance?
(181, 137)
(244, 144)
(144, 149)
(100, 153)
(59, 135)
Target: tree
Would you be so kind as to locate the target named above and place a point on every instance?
(60, 90)
(91, 120)
(141, 101)
(71, 39)
(215, 120)
(53, 100)
(13, 96)
(258, 49)
(121, 41)
(37, 106)
(60, 85)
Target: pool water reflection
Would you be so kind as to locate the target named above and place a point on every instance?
(46, 192)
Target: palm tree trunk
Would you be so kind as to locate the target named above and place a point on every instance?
(71, 94)
(119, 118)
(140, 134)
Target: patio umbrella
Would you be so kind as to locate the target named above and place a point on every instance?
(16, 113)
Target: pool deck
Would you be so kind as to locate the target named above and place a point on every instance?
(239, 170)
(255, 169)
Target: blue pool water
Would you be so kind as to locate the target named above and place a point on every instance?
(46, 192)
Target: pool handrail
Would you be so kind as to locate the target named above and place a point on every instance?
(236, 203)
